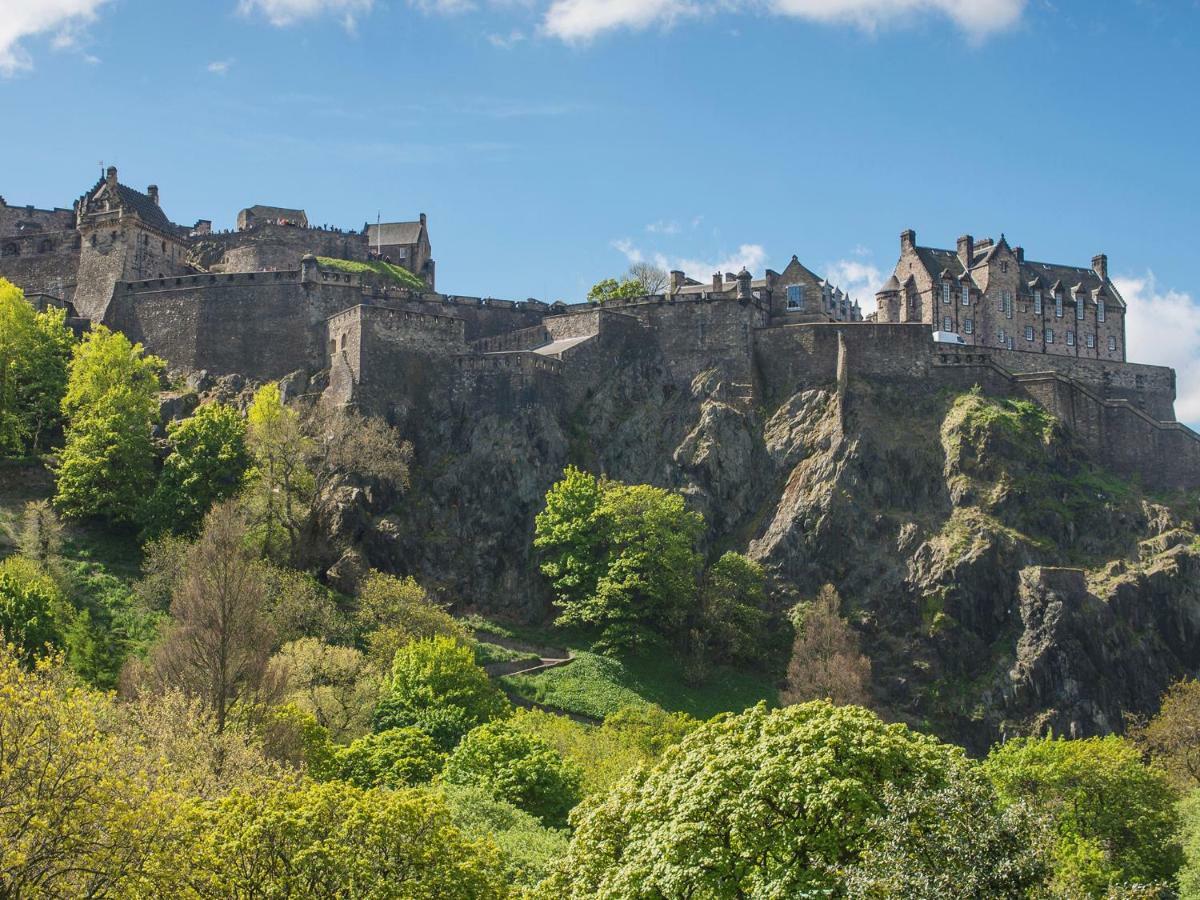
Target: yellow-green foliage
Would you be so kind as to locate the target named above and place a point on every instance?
(385, 271)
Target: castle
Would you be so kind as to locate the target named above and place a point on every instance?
(257, 301)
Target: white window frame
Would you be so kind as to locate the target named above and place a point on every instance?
(1058, 304)
(1049, 335)
(1090, 341)
(1070, 338)
(795, 297)
(1080, 307)
(1029, 332)
(1112, 342)
(947, 324)
(1037, 303)
(1100, 310)
(946, 298)
(966, 295)
(969, 326)
(1002, 335)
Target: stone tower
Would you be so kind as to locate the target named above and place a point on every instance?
(125, 236)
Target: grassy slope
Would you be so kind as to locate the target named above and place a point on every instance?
(387, 272)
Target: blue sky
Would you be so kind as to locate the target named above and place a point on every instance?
(551, 141)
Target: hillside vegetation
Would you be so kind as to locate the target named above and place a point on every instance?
(376, 271)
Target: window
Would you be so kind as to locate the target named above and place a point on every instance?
(1029, 332)
(1012, 342)
(1008, 304)
(1091, 341)
(1070, 339)
(1100, 309)
(1004, 267)
(1049, 335)
(945, 292)
(1080, 306)
(1058, 300)
(969, 326)
(1002, 337)
(947, 325)
(966, 296)
(795, 296)
(1037, 303)
(1112, 342)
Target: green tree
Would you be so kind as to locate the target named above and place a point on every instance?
(730, 624)
(336, 840)
(1189, 832)
(280, 484)
(610, 289)
(1172, 737)
(620, 557)
(107, 466)
(827, 660)
(1113, 817)
(393, 612)
(950, 842)
(393, 758)
(761, 804)
(336, 684)
(30, 610)
(34, 351)
(518, 767)
(436, 686)
(206, 464)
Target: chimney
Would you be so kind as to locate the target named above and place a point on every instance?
(422, 219)
(966, 250)
(152, 193)
(111, 176)
(1019, 253)
(908, 240)
(716, 282)
(1100, 265)
(729, 276)
(677, 280)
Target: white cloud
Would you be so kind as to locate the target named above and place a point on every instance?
(582, 20)
(663, 227)
(61, 19)
(506, 41)
(858, 278)
(1163, 327)
(288, 12)
(220, 66)
(976, 17)
(750, 256)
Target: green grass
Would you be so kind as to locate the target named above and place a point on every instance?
(486, 652)
(397, 275)
(596, 685)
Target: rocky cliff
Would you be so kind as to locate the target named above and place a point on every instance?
(1002, 582)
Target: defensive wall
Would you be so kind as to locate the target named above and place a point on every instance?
(269, 246)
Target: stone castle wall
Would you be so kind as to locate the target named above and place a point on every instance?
(267, 247)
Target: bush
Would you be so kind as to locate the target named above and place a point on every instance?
(518, 767)
(395, 758)
(30, 610)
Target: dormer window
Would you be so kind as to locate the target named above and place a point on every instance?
(1058, 304)
(795, 296)
(1100, 310)
(1037, 303)
(945, 292)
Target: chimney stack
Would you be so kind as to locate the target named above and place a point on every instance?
(1100, 265)
(152, 192)
(908, 240)
(1019, 253)
(111, 176)
(966, 250)
(677, 280)
(422, 218)
(717, 285)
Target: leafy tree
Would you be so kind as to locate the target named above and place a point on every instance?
(293, 737)
(950, 842)
(762, 804)
(611, 289)
(30, 610)
(206, 464)
(393, 612)
(1189, 832)
(336, 684)
(393, 758)
(827, 662)
(107, 466)
(518, 767)
(219, 641)
(620, 557)
(1114, 818)
(1172, 737)
(528, 849)
(280, 485)
(303, 607)
(163, 560)
(34, 350)
(336, 840)
(649, 277)
(85, 812)
(731, 624)
(436, 686)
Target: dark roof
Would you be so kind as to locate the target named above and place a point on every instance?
(392, 233)
(148, 211)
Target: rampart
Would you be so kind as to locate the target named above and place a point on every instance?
(268, 247)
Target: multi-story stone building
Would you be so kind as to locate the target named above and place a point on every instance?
(992, 296)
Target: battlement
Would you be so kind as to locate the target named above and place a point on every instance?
(519, 362)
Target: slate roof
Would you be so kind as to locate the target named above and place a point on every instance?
(148, 211)
(392, 233)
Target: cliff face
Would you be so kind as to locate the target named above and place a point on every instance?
(1002, 583)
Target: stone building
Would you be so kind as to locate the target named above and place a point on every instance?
(404, 244)
(795, 295)
(124, 236)
(992, 296)
(270, 215)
